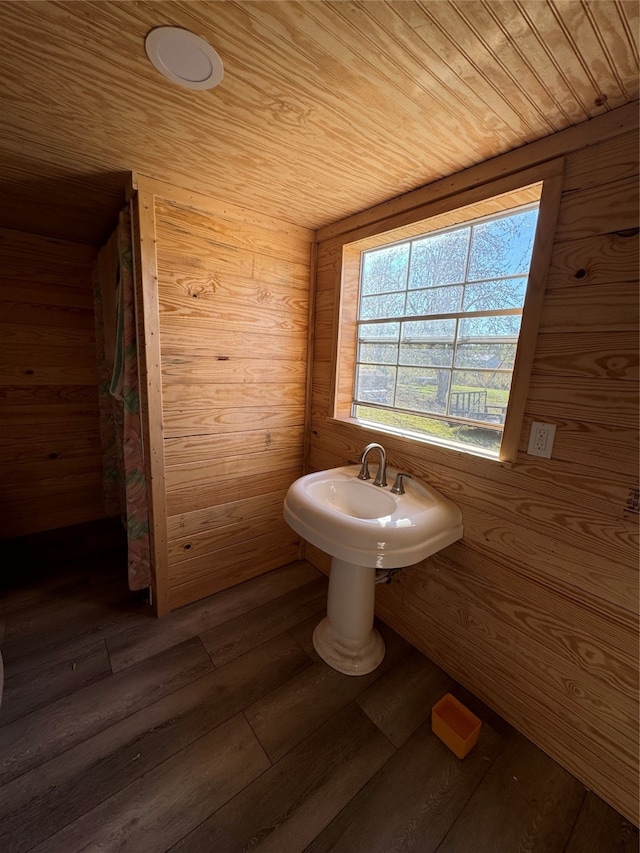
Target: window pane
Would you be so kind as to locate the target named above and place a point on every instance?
(428, 342)
(479, 396)
(385, 269)
(377, 307)
(502, 246)
(447, 431)
(375, 384)
(493, 295)
(436, 300)
(477, 328)
(431, 355)
(427, 331)
(379, 353)
(496, 355)
(388, 332)
(422, 389)
(496, 384)
(439, 259)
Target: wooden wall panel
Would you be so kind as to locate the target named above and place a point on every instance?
(608, 447)
(50, 458)
(613, 160)
(536, 608)
(233, 305)
(595, 260)
(611, 354)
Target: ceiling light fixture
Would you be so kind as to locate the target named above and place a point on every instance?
(184, 58)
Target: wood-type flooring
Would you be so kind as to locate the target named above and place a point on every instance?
(218, 729)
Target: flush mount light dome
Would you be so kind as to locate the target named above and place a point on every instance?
(184, 58)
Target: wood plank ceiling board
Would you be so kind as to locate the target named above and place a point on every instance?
(325, 108)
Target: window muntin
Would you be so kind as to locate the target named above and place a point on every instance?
(438, 325)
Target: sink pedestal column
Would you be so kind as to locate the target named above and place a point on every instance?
(346, 638)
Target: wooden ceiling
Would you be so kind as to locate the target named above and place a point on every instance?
(326, 108)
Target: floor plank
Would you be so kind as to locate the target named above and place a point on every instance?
(49, 731)
(288, 715)
(174, 749)
(303, 634)
(38, 591)
(41, 802)
(83, 603)
(235, 637)
(401, 700)
(55, 581)
(412, 801)
(61, 674)
(525, 802)
(599, 828)
(157, 810)
(144, 639)
(287, 806)
(68, 623)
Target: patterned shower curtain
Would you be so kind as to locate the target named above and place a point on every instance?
(125, 488)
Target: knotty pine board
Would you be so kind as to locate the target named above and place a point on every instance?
(233, 572)
(251, 526)
(607, 401)
(215, 231)
(603, 307)
(200, 369)
(205, 421)
(610, 448)
(241, 478)
(233, 310)
(610, 355)
(599, 210)
(187, 449)
(49, 427)
(595, 260)
(613, 160)
(238, 486)
(204, 520)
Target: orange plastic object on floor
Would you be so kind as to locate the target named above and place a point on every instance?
(455, 725)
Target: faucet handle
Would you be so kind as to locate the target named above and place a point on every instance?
(398, 486)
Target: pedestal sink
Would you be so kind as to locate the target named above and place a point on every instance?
(364, 527)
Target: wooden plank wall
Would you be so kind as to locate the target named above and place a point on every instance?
(50, 459)
(233, 293)
(535, 610)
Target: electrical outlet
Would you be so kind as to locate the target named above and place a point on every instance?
(541, 439)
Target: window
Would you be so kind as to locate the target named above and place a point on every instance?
(439, 311)
(438, 324)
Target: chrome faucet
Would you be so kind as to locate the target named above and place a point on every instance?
(381, 476)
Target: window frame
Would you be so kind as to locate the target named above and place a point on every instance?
(447, 212)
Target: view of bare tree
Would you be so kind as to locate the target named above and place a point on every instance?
(452, 301)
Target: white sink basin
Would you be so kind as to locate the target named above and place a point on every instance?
(367, 525)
